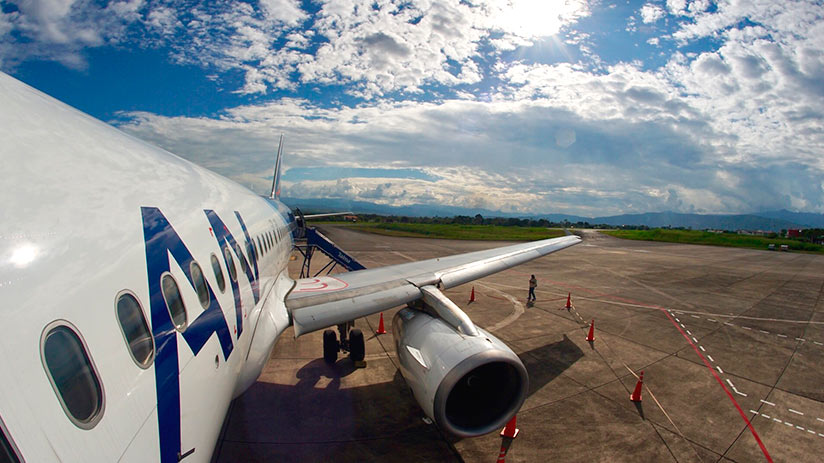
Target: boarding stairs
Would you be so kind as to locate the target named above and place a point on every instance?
(314, 241)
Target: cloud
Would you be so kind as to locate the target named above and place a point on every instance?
(555, 139)
(651, 13)
(375, 48)
(60, 29)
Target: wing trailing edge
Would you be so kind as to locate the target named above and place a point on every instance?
(317, 303)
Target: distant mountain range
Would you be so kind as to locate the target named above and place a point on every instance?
(767, 220)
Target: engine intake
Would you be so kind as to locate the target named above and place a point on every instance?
(469, 385)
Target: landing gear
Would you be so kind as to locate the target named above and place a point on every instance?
(330, 347)
(357, 347)
(351, 340)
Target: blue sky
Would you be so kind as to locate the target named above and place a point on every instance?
(534, 106)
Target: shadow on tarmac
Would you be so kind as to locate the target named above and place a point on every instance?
(545, 363)
(316, 419)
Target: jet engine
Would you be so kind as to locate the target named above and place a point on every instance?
(466, 380)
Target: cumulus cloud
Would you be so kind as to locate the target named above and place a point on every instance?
(60, 29)
(651, 13)
(375, 47)
(555, 139)
(734, 124)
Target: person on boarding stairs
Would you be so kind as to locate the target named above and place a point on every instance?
(533, 283)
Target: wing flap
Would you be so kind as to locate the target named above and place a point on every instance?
(340, 310)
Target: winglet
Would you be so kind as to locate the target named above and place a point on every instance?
(276, 178)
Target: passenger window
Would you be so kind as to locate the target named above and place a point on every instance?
(174, 302)
(200, 284)
(221, 282)
(135, 329)
(230, 263)
(243, 264)
(260, 246)
(7, 452)
(73, 376)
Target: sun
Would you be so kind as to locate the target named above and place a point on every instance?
(538, 18)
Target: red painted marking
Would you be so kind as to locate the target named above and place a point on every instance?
(720, 383)
(211, 232)
(706, 363)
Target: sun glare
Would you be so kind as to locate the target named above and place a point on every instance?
(539, 18)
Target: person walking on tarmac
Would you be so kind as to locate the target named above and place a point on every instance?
(533, 283)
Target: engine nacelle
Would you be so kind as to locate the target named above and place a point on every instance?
(469, 385)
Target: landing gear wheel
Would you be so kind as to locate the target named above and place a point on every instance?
(357, 348)
(330, 347)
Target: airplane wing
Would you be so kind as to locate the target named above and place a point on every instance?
(317, 303)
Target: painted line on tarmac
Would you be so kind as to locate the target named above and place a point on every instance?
(519, 308)
(791, 425)
(768, 403)
(710, 357)
(727, 391)
(795, 411)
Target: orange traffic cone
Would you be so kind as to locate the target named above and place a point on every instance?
(472, 295)
(510, 430)
(591, 335)
(636, 394)
(381, 329)
(502, 455)
(569, 301)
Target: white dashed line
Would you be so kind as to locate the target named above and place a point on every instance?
(720, 370)
(781, 335)
(710, 357)
(695, 340)
(818, 343)
(777, 420)
(702, 349)
(799, 427)
(728, 323)
(811, 431)
(695, 316)
(822, 435)
(765, 332)
(789, 424)
(689, 333)
(800, 339)
(734, 389)
(819, 419)
(765, 416)
(746, 327)
(682, 325)
(795, 411)
(768, 403)
(676, 319)
(713, 320)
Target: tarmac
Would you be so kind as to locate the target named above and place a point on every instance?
(730, 342)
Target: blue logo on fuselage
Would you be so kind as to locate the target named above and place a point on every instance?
(162, 243)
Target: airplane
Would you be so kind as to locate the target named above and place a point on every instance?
(141, 293)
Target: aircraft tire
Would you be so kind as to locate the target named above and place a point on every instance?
(357, 346)
(330, 347)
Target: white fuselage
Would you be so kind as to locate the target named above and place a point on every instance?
(89, 213)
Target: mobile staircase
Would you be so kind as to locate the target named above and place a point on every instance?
(308, 241)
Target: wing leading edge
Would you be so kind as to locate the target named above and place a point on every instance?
(317, 303)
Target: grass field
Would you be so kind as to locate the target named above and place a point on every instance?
(713, 239)
(458, 232)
